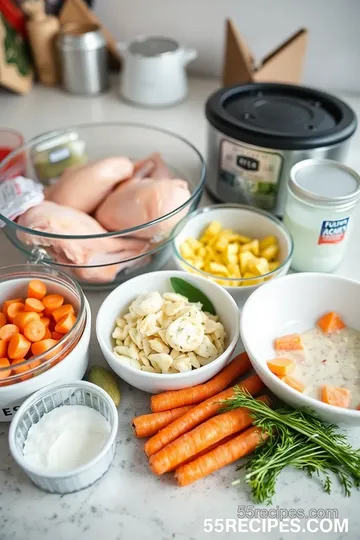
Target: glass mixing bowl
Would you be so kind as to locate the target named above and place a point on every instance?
(47, 156)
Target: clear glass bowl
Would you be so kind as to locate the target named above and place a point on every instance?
(91, 142)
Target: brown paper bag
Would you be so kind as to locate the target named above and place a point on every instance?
(16, 72)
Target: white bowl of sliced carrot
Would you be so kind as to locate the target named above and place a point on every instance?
(302, 334)
(122, 335)
(45, 324)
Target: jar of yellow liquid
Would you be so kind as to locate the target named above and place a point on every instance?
(322, 196)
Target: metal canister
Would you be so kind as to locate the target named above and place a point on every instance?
(83, 57)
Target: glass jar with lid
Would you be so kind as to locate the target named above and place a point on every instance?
(322, 195)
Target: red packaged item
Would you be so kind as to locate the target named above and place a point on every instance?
(14, 16)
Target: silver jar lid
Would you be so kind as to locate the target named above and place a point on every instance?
(150, 46)
(74, 36)
(324, 182)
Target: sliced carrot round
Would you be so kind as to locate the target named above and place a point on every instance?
(45, 321)
(3, 348)
(34, 330)
(4, 363)
(52, 302)
(18, 347)
(33, 304)
(57, 336)
(34, 363)
(19, 369)
(42, 346)
(14, 309)
(7, 303)
(24, 317)
(65, 324)
(7, 331)
(62, 311)
(48, 333)
(36, 289)
(3, 320)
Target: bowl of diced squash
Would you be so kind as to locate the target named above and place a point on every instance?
(236, 246)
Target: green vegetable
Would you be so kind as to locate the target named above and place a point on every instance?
(107, 380)
(298, 438)
(193, 294)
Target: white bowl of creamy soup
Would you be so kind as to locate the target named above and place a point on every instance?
(302, 334)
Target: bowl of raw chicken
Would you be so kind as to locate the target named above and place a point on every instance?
(111, 195)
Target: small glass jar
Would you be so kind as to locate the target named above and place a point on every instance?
(322, 195)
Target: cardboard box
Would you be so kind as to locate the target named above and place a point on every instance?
(283, 65)
(16, 72)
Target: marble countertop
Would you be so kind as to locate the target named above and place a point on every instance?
(129, 503)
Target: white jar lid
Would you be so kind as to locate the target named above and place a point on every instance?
(324, 181)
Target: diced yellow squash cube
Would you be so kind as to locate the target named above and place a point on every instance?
(221, 243)
(204, 239)
(273, 265)
(217, 268)
(252, 246)
(227, 233)
(198, 263)
(251, 281)
(186, 251)
(270, 252)
(234, 270)
(232, 248)
(259, 267)
(268, 241)
(201, 252)
(244, 259)
(194, 244)
(239, 238)
(231, 259)
(213, 228)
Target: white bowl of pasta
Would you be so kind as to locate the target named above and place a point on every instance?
(172, 344)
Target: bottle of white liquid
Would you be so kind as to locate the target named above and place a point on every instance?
(322, 195)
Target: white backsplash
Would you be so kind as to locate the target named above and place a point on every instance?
(333, 59)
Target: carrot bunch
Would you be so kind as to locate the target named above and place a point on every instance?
(29, 327)
(188, 433)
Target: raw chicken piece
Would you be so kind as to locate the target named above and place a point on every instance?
(105, 274)
(152, 167)
(56, 219)
(138, 201)
(84, 186)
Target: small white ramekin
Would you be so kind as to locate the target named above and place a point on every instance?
(45, 400)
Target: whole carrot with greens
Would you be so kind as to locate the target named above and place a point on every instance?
(195, 394)
(237, 447)
(149, 424)
(297, 438)
(200, 438)
(198, 414)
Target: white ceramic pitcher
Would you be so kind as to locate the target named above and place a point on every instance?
(153, 72)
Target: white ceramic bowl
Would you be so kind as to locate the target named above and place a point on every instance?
(117, 304)
(243, 219)
(47, 399)
(293, 304)
(71, 368)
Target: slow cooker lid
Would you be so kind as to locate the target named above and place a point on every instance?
(280, 116)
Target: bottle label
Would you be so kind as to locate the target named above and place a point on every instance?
(251, 175)
(333, 232)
